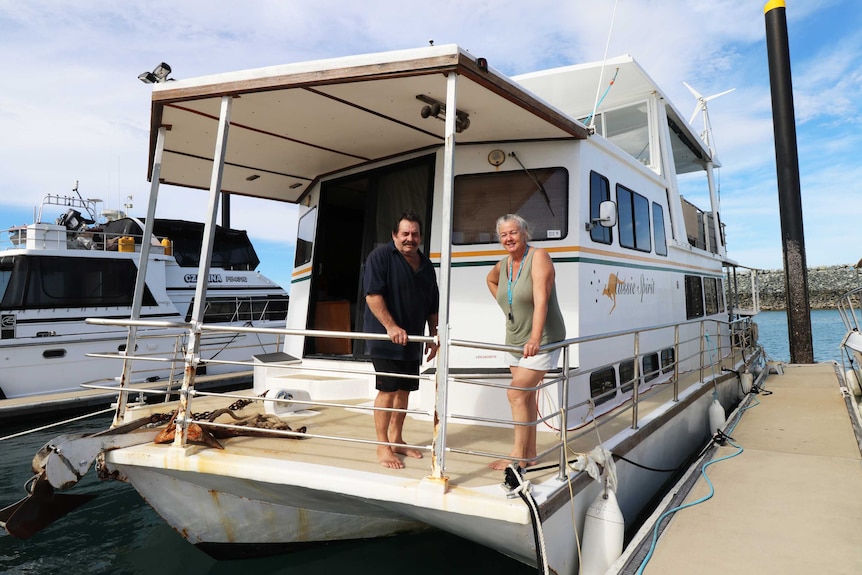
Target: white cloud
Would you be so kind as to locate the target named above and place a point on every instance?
(72, 108)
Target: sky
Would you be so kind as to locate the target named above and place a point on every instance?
(73, 110)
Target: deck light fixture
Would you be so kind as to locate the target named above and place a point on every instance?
(157, 76)
(436, 109)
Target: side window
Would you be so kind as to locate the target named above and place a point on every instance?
(658, 229)
(540, 197)
(668, 357)
(78, 282)
(710, 295)
(693, 297)
(627, 375)
(305, 237)
(602, 382)
(633, 220)
(650, 366)
(600, 191)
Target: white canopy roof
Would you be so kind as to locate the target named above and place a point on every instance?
(292, 124)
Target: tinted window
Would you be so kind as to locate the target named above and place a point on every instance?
(247, 309)
(667, 359)
(305, 237)
(658, 229)
(43, 282)
(600, 191)
(633, 219)
(710, 295)
(602, 382)
(650, 366)
(627, 375)
(540, 197)
(693, 297)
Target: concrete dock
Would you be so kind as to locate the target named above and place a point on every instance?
(787, 500)
(40, 407)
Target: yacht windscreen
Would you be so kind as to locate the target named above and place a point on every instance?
(37, 282)
(232, 249)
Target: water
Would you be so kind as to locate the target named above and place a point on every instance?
(826, 330)
(119, 534)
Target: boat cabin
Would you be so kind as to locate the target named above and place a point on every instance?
(355, 142)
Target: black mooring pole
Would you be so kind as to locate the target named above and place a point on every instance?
(789, 193)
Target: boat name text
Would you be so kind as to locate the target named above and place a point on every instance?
(217, 279)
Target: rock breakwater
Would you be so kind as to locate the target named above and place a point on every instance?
(826, 284)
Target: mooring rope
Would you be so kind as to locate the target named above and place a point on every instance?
(50, 425)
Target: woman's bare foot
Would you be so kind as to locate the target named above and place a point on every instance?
(387, 458)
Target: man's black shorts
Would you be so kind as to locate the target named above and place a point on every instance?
(388, 383)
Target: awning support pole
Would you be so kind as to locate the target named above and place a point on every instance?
(194, 343)
(438, 465)
(140, 280)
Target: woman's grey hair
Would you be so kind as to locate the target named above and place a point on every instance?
(518, 220)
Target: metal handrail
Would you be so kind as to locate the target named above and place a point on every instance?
(563, 378)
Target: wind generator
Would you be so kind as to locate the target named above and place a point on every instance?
(700, 106)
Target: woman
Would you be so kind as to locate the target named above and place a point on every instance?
(523, 284)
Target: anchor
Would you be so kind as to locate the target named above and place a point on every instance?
(59, 465)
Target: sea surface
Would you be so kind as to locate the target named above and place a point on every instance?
(119, 534)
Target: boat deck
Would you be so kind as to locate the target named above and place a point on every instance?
(791, 502)
(344, 437)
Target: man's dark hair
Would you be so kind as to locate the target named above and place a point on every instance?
(410, 216)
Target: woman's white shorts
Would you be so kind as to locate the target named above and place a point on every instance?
(539, 362)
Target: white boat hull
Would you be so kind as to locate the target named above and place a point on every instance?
(60, 364)
(234, 503)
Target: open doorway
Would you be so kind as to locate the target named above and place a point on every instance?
(356, 215)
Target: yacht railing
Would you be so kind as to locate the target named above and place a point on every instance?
(40, 237)
(712, 342)
(850, 309)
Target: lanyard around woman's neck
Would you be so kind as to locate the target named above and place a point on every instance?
(511, 283)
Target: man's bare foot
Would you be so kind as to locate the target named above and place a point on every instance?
(408, 451)
(387, 458)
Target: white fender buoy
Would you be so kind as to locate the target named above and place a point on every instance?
(604, 530)
(757, 368)
(852, 382)
(746, 380)
(716, 416)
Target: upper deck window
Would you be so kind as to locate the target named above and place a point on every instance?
(628, 128)
(540, 197)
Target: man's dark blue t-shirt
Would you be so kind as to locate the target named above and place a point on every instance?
(410, 298)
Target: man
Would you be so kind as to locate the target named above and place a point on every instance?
(401, 292)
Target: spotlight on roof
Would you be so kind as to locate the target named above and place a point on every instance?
(157, 76)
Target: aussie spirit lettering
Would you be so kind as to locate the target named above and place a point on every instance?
(647, 286)
(617, 286)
